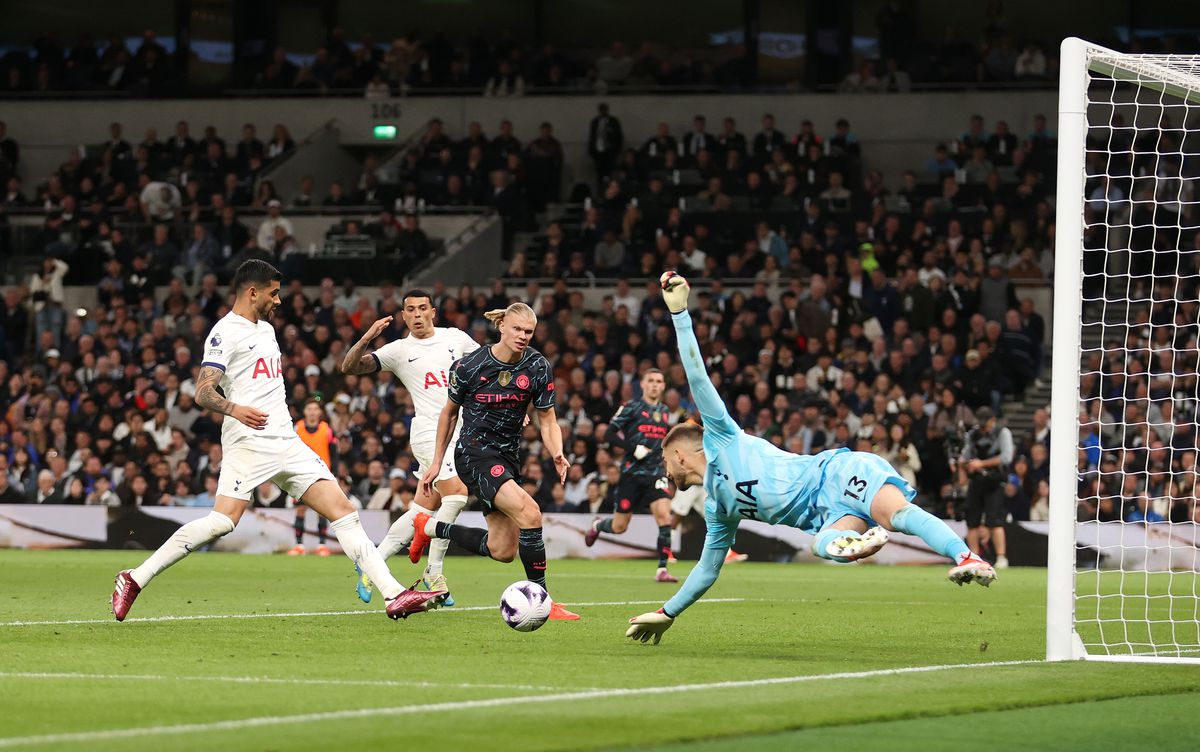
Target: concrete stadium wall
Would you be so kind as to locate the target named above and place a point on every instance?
(897, 130)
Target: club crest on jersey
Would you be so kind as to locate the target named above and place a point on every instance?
(522, 381)
(505, 378)
(497, 471)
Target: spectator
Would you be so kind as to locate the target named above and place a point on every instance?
(275, 220)
(506, 82)
(1030, 64)
(160, 201)
(862, 81)
(9, 493)
(615, 66)
(200, 256)
(281, 143)
(412, 244)
(609, 254)
(894, 79)
(605, 139)
(46, 292)
(249, 146)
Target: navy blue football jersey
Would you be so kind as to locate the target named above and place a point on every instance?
(494, 397)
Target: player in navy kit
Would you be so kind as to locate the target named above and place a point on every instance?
(638, 427)
(493, 388)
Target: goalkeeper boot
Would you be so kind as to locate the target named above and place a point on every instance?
(589, 538)
(363, 588)
(971, 568)
(853, 546)
(411, 602)
(420, 540)
(733, 557)
(558, 613)
(125, 592)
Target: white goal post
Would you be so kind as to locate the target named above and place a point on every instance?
(1121, 585)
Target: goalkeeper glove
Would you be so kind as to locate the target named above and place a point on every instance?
(675, 291)
(649, 625)
(640, 452)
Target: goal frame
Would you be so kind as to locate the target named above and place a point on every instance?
(1078, 58)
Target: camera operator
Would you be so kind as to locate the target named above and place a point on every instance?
(987, 456)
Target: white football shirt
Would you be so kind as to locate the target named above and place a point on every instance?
(423, 366)
(248, 354)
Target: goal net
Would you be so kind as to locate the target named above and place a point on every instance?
(1124, 553)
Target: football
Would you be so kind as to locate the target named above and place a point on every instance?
(525, 606)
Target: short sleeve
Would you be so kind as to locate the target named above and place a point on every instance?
(468, 345)
(388, 357)
(217, 351)
(458, 381)
(543, 398)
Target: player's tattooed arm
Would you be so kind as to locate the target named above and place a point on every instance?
(208, 398)
(358, 360)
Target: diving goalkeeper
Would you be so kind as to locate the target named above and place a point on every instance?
(848, 500)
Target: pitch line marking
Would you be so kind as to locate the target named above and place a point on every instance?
(269, 680)
(300, 614)
(445, 707)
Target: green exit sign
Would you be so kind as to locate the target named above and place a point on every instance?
(385, 132)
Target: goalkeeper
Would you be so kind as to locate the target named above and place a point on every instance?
(848, 500)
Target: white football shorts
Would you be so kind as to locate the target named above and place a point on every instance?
(290, 463)
(423, 443)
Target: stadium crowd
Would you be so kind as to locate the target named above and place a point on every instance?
(832, 311)
(500, 65)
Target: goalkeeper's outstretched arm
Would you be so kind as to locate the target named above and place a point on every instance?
(717, 419)
(699, 580)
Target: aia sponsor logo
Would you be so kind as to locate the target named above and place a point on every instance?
(433, 382)
(497, 471)
(271, 368)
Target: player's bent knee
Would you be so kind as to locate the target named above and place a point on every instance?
(503, 554)
(220, 524)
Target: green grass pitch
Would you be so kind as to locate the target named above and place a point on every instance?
(312, 668)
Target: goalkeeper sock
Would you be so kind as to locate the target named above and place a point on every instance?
(532, 550)
(604, 525)
(195, 534)
(914, 520)
(664, 545)
(401, 532)
(362, 551)
(821, 543)
(473, 539)
(447, 512)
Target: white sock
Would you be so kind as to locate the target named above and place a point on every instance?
(431, 527)
(195, 534)
(358, 547)
(448, 512)
(400, 534)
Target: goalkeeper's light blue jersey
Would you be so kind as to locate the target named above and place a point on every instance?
(747, 478)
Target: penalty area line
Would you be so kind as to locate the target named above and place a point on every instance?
(304, 614)
(448, 707)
